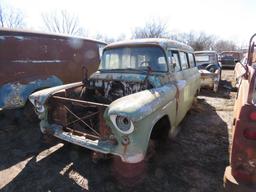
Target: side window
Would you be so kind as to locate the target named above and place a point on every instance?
(184, 60)
(174, 55)
(191, 60)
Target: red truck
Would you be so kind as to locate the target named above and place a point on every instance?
(32, 61)
(241, 174)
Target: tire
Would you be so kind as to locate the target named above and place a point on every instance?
(128, 174)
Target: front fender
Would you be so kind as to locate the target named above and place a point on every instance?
(14, 95)
(139, 105)
(44, 94)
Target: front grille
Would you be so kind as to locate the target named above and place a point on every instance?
(80, 118)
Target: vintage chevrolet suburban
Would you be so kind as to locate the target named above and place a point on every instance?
(141, 92)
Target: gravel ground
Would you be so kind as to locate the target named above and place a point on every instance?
(194, 161)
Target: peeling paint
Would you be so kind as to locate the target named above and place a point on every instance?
(32, 61)
(139, 105)
(14, 95)
(37, 61)
(20, 38)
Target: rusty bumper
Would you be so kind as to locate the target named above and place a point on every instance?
(102, 146)
(207, 80)
(210, 80)
(232, 185)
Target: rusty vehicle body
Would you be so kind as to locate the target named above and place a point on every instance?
(142, 91)
(228, 59)
(209, 68)
(32, 61)
(241, 174)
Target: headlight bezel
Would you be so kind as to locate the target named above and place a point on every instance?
(39, 108)
(114, 121)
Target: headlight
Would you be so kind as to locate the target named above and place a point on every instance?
(39, 107)
(123, 124)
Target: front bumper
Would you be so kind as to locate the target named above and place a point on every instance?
(210, 80)
(103, 146)
(96, 145)
(207, 81)
(231, 184)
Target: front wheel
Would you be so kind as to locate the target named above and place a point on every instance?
(128, 174)
(133, 173)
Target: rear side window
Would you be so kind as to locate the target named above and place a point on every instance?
(184, 60)
(191, 60)
(175, 59)
(175, 56)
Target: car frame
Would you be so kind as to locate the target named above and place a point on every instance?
(120, 108)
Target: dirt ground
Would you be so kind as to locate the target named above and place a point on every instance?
(194, 161)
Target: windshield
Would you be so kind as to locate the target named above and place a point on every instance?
(206, 58)
(230, 55)
(137, 58)
(202, 58)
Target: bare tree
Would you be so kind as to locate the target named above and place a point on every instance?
(198, 41)
(104, 38)
(107, 39)
(202, 41)
(10, 17)
(224, 45)
(63, 22)
(152, 29)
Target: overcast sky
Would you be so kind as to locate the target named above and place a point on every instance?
(227, 19)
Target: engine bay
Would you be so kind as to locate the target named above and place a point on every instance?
(81, 109)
